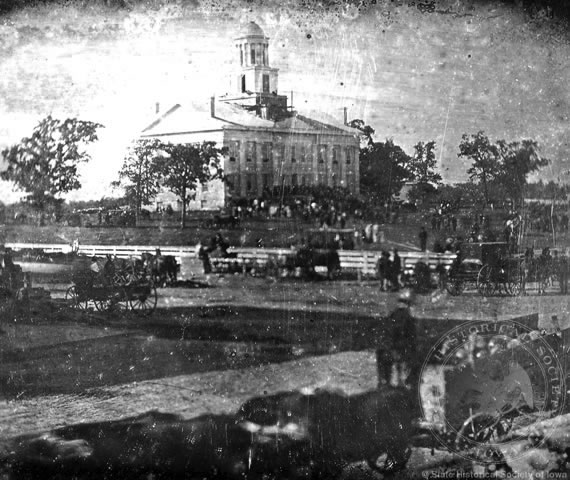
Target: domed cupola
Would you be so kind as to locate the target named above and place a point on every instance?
(253, 83)
(252, 45)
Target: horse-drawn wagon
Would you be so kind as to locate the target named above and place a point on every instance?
(489, 267)
(98, 284)
(320, 252)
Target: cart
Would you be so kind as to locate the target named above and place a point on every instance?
(502, 271)
(140, 297)
(488, 267)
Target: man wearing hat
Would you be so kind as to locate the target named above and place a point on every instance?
(396, 360)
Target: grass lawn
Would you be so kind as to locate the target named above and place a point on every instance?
(274, 233)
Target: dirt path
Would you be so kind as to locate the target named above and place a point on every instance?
(189, 395)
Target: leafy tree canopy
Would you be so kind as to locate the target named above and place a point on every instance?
(140, 174)
(422, 168)
(383, 170)
(185, 166)
(45, 165)
(519, 159)
(502, 168)
(366, 130)
(486, 165)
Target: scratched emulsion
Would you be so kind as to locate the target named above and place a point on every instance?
(415, 71)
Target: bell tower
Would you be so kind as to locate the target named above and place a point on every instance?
(254, 83)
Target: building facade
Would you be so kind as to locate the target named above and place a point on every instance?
(268, 145)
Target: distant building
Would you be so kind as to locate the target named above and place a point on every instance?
(268, 144)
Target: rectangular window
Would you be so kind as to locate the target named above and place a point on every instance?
(205, 186)
(234, 150)
(232, 182)
(301, 153)
(265, 180)
(250, 152)
(265, 83)
(293, 154)
(294, 179)
(279, 151)
(266, 152)
(252, 55)
(309, 153)
(322, 153)
(240, 55)
(335, 154)
(304, 180)
(348, 155)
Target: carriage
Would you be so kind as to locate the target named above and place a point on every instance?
(111, 292)
(502, 272)
(489, 267)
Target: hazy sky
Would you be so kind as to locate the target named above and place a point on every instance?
(414, 71)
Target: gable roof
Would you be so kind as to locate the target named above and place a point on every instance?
(196, 117)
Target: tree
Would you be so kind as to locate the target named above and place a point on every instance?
(518, 160)
(461, 195)
(45, 165)
(383, 170)
(422, 168)
(187, 165)
(486, 165)
(366, 131)
(140, 174)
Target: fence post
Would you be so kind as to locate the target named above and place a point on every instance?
(363, 269)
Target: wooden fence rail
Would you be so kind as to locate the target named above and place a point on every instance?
(360, 261)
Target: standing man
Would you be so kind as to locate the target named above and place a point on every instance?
(396, 270)
(396, 360)
(423, 239)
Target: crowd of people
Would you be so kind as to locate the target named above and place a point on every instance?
(389, 270)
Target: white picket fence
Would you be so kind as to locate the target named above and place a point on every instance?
(361, 261)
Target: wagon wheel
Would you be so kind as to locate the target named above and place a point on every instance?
(482, 428)
(513, 282)
(74, 300)
(546, 280)
(116, 301)
(143, 298)
(124, 277)
(485, 284)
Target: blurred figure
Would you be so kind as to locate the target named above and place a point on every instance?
(396, 359)
(382, 267)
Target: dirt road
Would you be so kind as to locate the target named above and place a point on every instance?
(206, 350)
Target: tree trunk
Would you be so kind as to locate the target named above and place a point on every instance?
(485, 191)
(137, 214)
(183, 217)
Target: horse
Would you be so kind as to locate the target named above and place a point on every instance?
(162, 269)
(308, 258)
